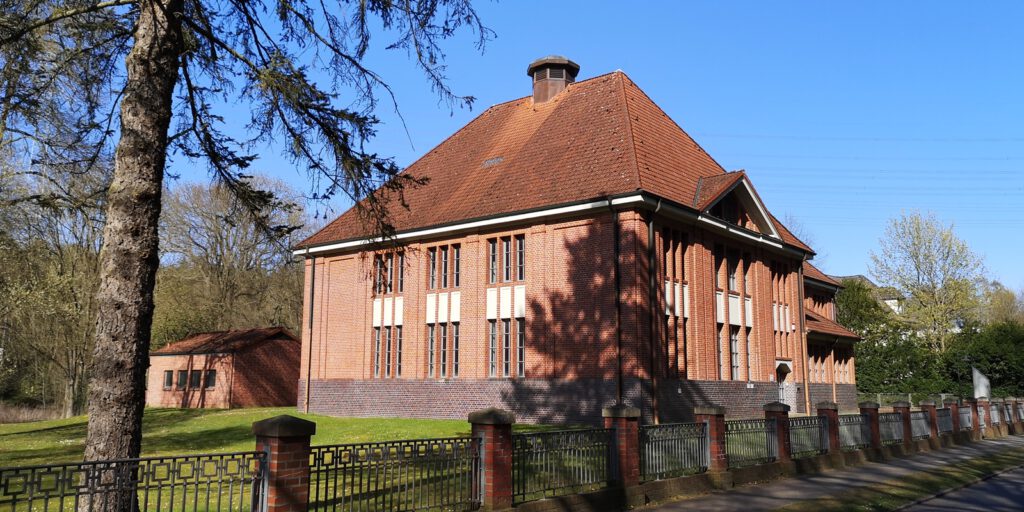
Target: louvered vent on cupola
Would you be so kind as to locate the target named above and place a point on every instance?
(551, 75)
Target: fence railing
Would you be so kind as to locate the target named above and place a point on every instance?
(555, 463)
(220, 482)
(674, 449)
(890, 427)
(945, 419)
(920, 427)
(808, 436)
(751, 442)
(854, 431)
(966, 418)
(427, 474)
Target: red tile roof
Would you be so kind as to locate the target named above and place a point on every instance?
(812, 272)
(221, 342)
(711, 187)
(600, 137)
(821, 325)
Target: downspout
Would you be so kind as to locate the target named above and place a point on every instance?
(309, 355)
(653, 283)
(834, 395)
(618, 301)
(803, 334)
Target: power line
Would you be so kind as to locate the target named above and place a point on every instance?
(879, 158)
(858, 139)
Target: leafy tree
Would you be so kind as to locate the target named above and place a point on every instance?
(858, 309)
(934, 270)
(999, 305)
(180, 58)
(995, 349)
(891, 359)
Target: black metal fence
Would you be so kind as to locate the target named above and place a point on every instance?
(565, 462)
(675, 449)
(966, 418)
(945, 419)
(920, 425)
(854, 431)
(995, 414)
(751, 442)
(427, 474)
(808, 436)
(890, 427)
(220, 482)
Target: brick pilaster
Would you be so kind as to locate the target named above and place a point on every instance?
(285, 439)
(830, 410)
(903, 408)
(870, 409)
(928, 406)
(780, 413)
(714, 417)
(493, 428)
(626, 422)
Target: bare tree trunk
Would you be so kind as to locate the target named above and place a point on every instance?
(129, 259)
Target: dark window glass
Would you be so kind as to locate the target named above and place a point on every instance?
(182, 378)
(196, 379)
(506, 347)
(444, 350)
(734, 352)
(377, 275)
(401, 272)
(521, 347)
(506, 249)
(746, 273)
(521, 257)
(444, 267)
(731, 265)
(390, 264)
(457, 257)
(493, 346)
(168, 379)
(492, 263)
(376, 351)
(455, 349)
(718, 350)
(387, 353)
(430, 350)
(432, 262)
(719, 256)
(398, 351)
(211, 379)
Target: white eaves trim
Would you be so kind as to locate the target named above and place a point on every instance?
(496, 221)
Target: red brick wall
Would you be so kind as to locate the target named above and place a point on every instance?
(266, 375)
(217, 397)
(570, 312)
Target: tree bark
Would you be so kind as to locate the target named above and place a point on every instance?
(129, 258)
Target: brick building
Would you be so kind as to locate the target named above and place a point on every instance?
(572, 248)
(225, 369)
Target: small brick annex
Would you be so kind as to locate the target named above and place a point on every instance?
(572, 250)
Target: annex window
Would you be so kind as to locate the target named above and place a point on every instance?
(182, 379)
(376, 351)
(492, 352)
(521, 257)
(492, 260)
(211, 379)
(734, 352)
(168, 379)
(195, 379)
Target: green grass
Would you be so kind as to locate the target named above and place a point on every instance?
(896, 493)
(184, 431)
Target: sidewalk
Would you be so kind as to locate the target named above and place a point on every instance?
(780, 493)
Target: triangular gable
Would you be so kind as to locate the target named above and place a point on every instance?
(740, 187)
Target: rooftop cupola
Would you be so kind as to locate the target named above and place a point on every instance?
(551, 75)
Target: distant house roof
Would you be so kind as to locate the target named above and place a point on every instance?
(221, 342)
(821, 325)
(880, 292)
(812, 272)
(598, 138)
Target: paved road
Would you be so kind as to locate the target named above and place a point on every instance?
(1003, 492)
(771, 496)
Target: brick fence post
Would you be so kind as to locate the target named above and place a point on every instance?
(870, 409)
(928, 406)
(903, 408)
(997, 405)
(954, 413)
(1015, 412)
(780, 413)
(285, 440)
(830, 410)
(972, 404)
(985, 413)
(493, 428)
(626, 422)
(714, 417)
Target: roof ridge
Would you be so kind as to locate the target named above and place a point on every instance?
(629, 126)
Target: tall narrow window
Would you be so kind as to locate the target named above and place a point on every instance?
(430, 350)
(444, 350)
(718, 350)
(376, 351)
(387, 353)
(455, 349)
(506, 348)
(398, 351)
(401, 272)
(719, 256)
(168, 379)
(750, 355)
(211, 379)
(378, 276)
(731, 264)
(521, 347)
(456, 264)
(182, 378)
(432, 272)
(390, 264)
(492, 260)
(746, 273)
(734, 352)
(492, 348)
(521, 257)
(506, 250)
(444, 267)
(195, 379)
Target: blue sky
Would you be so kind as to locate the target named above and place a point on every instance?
(843, 115)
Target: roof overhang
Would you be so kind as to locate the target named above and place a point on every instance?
(752, 203)
(639, 199)
(817, 283)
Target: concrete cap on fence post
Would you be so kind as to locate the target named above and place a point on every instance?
(493, 428)
(625, 420)
(285, 439)
(776, 407)
(868, 405)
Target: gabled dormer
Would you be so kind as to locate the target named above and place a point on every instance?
(731, 197)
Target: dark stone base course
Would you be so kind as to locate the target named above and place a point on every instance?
(846, 396)
(547, 400)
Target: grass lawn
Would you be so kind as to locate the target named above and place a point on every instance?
(183, 431)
